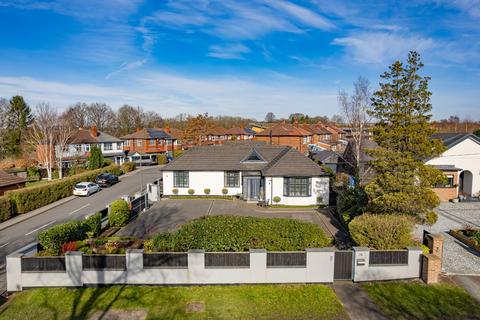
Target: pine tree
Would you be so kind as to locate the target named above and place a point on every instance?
(95, 161)
(18, 117)
(402, 109)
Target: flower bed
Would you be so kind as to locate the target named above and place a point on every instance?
(470, 237)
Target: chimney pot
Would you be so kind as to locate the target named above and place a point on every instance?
(94, 131)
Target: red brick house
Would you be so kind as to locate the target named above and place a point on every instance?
(286, 134)
(144, 145)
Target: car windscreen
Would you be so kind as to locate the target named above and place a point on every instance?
(103, 176)
(80, 186)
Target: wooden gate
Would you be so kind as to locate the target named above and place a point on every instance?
(343, 265)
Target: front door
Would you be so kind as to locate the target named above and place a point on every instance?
(253, 187)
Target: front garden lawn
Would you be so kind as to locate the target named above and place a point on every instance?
(217, 302)
(400, 300)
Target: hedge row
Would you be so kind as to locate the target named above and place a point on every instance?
(53, 238)
(6, 208)
(238, 234)
(28, 199)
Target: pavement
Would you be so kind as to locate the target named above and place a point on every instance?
(457, 257)
(168, 215)
(356, 302)
(24, 232)
(471, 284)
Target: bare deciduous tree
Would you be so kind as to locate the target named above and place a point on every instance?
(354, 110)
(64, 132)
(43, 135)
(76, 115)
(100, 115)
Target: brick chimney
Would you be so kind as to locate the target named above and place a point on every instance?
(167, 129)
(139, 129)
(93, 131)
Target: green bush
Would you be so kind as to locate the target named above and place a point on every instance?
(128, 167)
(28, 199)
(191, 192)
(162, 159)
(33, 173)
(431, 218)
(225, 191)
(235, 233)
(6, 208)
(382, 232)
(107, 162)
(115, 169)
(119, 213)
(175, 191)
(277, 199)
(95, 160)
(206, 191)
(53, 238)
(94, 223)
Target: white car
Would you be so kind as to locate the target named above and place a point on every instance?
(85, 188)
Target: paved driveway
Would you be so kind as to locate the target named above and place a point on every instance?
(168, 215)
(457, 258)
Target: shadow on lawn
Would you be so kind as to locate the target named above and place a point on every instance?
(89, 305)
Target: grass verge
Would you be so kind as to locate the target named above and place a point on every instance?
(401, 300)
(219, 302)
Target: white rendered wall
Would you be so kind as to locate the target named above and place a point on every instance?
(465, 156)
(320, 188)
(362, 271)
(200, 180)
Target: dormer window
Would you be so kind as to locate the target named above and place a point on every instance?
(253, 156)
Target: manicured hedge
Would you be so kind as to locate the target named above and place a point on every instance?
(28, 199)
(6, 208)
(53, 238)
(382, 231)
(119, 213)
(128, 166)
(235, 233)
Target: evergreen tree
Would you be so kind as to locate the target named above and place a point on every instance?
(18, 117)
(402, 109)
(95, 161)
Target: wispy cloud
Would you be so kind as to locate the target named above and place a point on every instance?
(228, 51)
(302, 14)
(381, 47)
(170, 94)
(125, 67)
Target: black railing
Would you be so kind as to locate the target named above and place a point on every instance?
(138, 205)
(104, 213)
(110, 262)
(227, 259)
(43, 264)
(165, 260)
(389, 257)
(286, 259)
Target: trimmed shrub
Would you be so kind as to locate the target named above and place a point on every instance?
(175, 191)
(225, 191)
(107, 162)
(53, 238)
(236, 233)
(28, 199)
(6, 208)
(128, 166)
(94, 223)
(431, 218)
(33, 173)
(162, 159)
(382, 232)
(277, 199)
(191, 192)
(69, 246)
(95, 160)
(119, 213)
(206, 191)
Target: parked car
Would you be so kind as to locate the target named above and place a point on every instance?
(85, 188)
(106, 179)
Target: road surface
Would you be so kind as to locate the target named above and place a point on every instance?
(25, 232)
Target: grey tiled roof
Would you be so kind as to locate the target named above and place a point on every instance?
(279, 160)
(446, 167)
(450, 139)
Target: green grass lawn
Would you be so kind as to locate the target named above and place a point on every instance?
(419, 301)
(220, 302)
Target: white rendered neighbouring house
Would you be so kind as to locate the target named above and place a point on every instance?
(460, 163)
(253, 171)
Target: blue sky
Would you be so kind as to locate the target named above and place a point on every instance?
(231, 57)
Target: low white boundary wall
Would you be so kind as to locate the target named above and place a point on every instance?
(319, 268)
